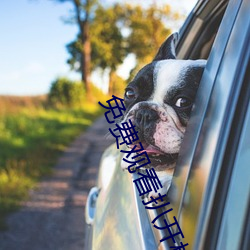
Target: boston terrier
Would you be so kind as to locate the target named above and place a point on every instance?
(158, 102)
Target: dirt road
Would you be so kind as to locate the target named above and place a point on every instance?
(53, 218)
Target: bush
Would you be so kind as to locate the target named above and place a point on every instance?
(65, 92)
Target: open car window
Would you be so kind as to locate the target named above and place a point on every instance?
(196, 41)
(198, 33)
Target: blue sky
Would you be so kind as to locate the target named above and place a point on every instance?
(32, 44)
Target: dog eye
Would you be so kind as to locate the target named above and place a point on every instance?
(183, 102)
(130, 94)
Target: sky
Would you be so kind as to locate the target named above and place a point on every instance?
(32, 44)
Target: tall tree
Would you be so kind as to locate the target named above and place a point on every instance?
(83, 15)
(108, 45)
(147, 31)
(108, 48)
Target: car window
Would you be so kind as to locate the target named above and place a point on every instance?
(198, 34)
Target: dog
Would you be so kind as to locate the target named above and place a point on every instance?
(158, 102)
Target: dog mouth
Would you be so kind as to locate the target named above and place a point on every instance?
(157, 157)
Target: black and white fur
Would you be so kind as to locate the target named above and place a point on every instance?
(159, 101)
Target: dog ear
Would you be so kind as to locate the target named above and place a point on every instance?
(167, 49)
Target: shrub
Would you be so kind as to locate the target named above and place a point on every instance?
(65, 92)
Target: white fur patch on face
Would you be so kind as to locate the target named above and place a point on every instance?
(169, 73)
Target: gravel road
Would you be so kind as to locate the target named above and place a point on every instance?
(53, 218)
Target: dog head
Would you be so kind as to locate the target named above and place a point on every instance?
(159, 101)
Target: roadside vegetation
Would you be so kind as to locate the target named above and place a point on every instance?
(34, 131)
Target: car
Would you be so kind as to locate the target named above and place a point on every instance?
(210, 191)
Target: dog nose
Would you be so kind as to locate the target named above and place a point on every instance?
(145, 118)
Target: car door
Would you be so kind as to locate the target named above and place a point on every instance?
(119, 222)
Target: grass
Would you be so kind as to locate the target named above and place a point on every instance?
(31, 139)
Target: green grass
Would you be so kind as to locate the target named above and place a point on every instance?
(31, 139)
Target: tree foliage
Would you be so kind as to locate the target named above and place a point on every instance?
(108, 49)
(116, 31)
(108, 44)
(147, 31)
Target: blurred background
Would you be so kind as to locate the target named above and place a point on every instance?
(58, 58)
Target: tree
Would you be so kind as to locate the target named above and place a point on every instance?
(148, 31)
(119, 30)
(108, 45)
(83, 15)
(108, 48)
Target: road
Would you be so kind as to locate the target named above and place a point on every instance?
(53, 218)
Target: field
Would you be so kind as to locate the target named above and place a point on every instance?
(32, 135)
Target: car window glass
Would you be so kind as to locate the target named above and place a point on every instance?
(236, 207)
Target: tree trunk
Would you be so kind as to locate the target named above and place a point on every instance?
(111, 82)
(86, 58)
